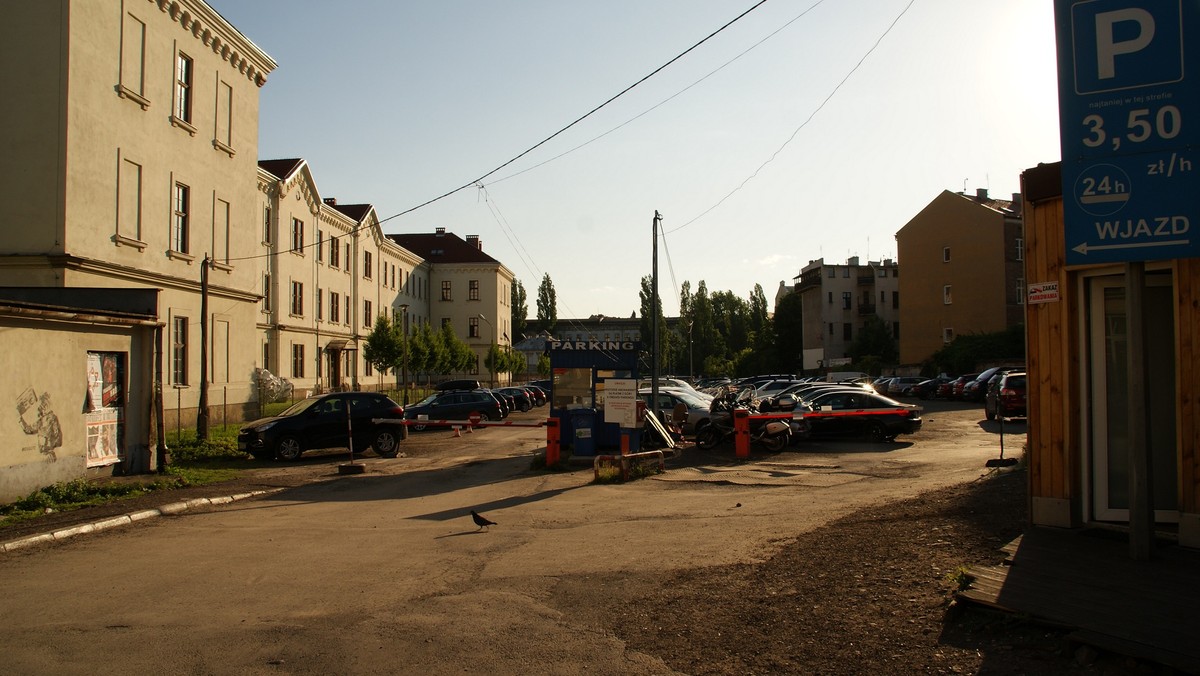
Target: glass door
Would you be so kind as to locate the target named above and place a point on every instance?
(1108, 338)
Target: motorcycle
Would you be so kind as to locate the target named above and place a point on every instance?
(773, 435)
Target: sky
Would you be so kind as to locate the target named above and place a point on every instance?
(806, 129)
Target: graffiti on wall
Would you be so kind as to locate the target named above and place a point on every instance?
(38, 419)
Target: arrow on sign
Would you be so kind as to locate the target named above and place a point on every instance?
(1085, 248)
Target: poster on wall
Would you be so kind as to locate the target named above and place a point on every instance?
(103, 446)
(105, 412)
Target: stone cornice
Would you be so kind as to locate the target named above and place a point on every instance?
(136, 275)
(214, 32)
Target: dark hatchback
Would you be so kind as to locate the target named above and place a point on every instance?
(456, 405)
(850, 413)
(322, 422)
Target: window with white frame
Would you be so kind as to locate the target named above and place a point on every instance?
(473, 289)
(945, 254)
(179, 351)
(181, 219)
(947, 296)
(297, 236)
(183, 88)
(1020, 252)
(1020, 291)
(473, 327)
(947, 335)
(446, 295)
(297, 360)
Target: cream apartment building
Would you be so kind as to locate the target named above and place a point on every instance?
(131, 160)
(327, 273)
(965, 255)
(131, 150)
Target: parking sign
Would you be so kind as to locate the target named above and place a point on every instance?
(1125, 101)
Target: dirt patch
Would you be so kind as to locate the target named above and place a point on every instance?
(870, 593)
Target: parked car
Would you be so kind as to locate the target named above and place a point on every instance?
(853, 413)
(977, 388)
(507, 403)
(902, 385)
(540, 396)
(668, 398)
(961, 382)
(880, 384)
(321, 422)
(454, 405)
(1006, 397)
(945, 390)
(522, 400)
(929, 388)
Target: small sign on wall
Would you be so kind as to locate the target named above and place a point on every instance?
(1043, 292)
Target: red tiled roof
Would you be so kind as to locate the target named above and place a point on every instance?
(442, 248)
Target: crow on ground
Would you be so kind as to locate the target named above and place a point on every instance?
(480, 520)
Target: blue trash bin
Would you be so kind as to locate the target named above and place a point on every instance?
(583, 430)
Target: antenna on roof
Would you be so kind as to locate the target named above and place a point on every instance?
(965, 184)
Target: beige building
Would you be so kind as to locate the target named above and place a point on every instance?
(467, 289)
(963, 255)
(327, 272)
(131, 162)
(837, 300)
(131, 157)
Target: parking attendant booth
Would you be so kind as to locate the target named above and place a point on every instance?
(580, 368)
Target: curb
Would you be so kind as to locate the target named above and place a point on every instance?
(126, 519)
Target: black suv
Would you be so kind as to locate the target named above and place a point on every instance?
(454, 405)
(322, 422)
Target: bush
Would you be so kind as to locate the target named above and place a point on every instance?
(188, 450)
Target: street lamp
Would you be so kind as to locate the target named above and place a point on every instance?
(492, 368)
(404, 355)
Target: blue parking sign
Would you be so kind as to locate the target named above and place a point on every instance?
(1129, 173)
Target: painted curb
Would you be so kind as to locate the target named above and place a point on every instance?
(126, 519)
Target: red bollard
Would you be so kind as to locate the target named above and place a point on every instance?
(552, 448)
(741, 432)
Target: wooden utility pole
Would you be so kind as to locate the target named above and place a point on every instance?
(202, 408)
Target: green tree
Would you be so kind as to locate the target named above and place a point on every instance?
(543, 365)
(789, 333)
(547, 305)
(875, 340)
(421, 357)
(520, 309)
(383, 347)
(665, 345)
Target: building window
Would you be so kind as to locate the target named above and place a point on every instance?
(882, 272)
(129, 196)
(266, 355)
(896, 330)
(220, 235)
(947, 297)
(298, 299)
(895, 300)
(320, 246)
(1020, 249)
(832, 272)
(945, 254)
(349, 307)
(320, 304)
(183, 88)
(947, 335)
(297, 360)
(847, 331)
(179, 224)
(831, 328)
(446, 295)
(224, 136)
(846, 302)
(1020, 291)
(179, 351)
(335, 307)
(335, 253)
(882, 297)
(133, 60)
(831, 298)
(473, 327)
(367, 265)
(266, 293)
(473, 289)
(368, 318)
(297, 236)
(348, 259)
(846, 271)
(267, 224)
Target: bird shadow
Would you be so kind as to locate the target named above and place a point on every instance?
(460, 534)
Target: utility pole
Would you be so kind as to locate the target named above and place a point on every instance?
(404, 358)
(654, 314)
(202, 409)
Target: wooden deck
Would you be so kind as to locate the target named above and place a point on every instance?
(1087, 581)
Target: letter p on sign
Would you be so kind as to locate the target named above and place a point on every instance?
(1123, 44)
(1109, 46)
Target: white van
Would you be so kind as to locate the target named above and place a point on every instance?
(839, 376)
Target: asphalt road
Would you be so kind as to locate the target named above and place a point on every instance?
(385, 572)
